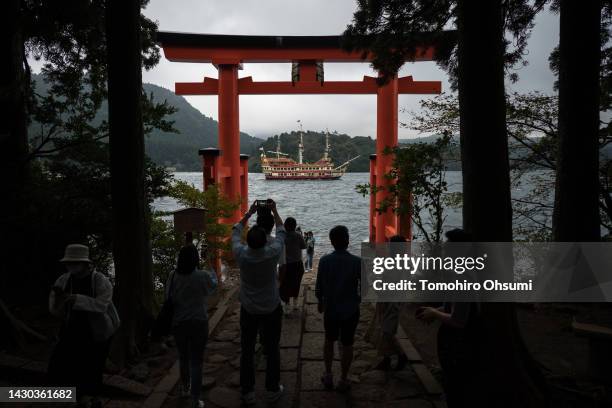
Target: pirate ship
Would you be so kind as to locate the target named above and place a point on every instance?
(283, 167)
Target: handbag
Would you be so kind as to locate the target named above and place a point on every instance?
(163, 323)
(103, 325)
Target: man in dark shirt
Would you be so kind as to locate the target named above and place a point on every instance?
(338, 293)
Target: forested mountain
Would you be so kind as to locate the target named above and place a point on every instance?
(179, 150)
(196, 131)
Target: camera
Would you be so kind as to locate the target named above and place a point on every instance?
(263, 207)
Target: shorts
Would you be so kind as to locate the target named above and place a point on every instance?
(341, 329)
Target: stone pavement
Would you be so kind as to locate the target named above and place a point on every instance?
(302, 366)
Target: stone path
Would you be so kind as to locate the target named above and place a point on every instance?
(302, 366)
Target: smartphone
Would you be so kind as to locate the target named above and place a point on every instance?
(261, 203)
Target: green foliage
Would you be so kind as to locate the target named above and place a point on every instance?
(419, 170)
(65, 101)
(68, 197)
(217, 206)
(69, 201)
(394, 29)
(166, 243)
(531, 121)
(165, 246)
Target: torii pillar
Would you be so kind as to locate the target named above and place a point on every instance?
(229, 134)
(386, 224)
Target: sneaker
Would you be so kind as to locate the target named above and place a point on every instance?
(198, 404)
(249, 398)
(328, 381)
(343, 386)
(274, 396)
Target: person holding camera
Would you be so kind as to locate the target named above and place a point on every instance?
(261, 310)
(82, 298)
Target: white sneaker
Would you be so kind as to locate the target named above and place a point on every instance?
(249, 398)
(198, 404)
(274, 396)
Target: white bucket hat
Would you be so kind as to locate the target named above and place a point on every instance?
(76, 253)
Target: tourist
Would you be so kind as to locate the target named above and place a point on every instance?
(188, 287)
(267, 223)
(261, 310)
(310, 244)
(292, 271)
(459, 329)
(337, 291)
(387, 316)
(82, 298)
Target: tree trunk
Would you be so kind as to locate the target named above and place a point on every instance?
(14, 168)
(507, 375)
(576, 212)
(131, 250)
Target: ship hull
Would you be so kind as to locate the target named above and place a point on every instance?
(287, 177)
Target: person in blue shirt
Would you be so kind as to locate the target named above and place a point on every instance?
(261, 311)
(338, 294)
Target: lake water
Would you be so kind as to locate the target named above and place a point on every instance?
(319, 205)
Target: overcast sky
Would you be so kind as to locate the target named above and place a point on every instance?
(266, 115)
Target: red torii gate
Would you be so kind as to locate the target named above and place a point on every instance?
(226, 166)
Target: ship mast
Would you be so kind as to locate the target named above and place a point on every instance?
(301, 144)
(326, 152)
(278, 152)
